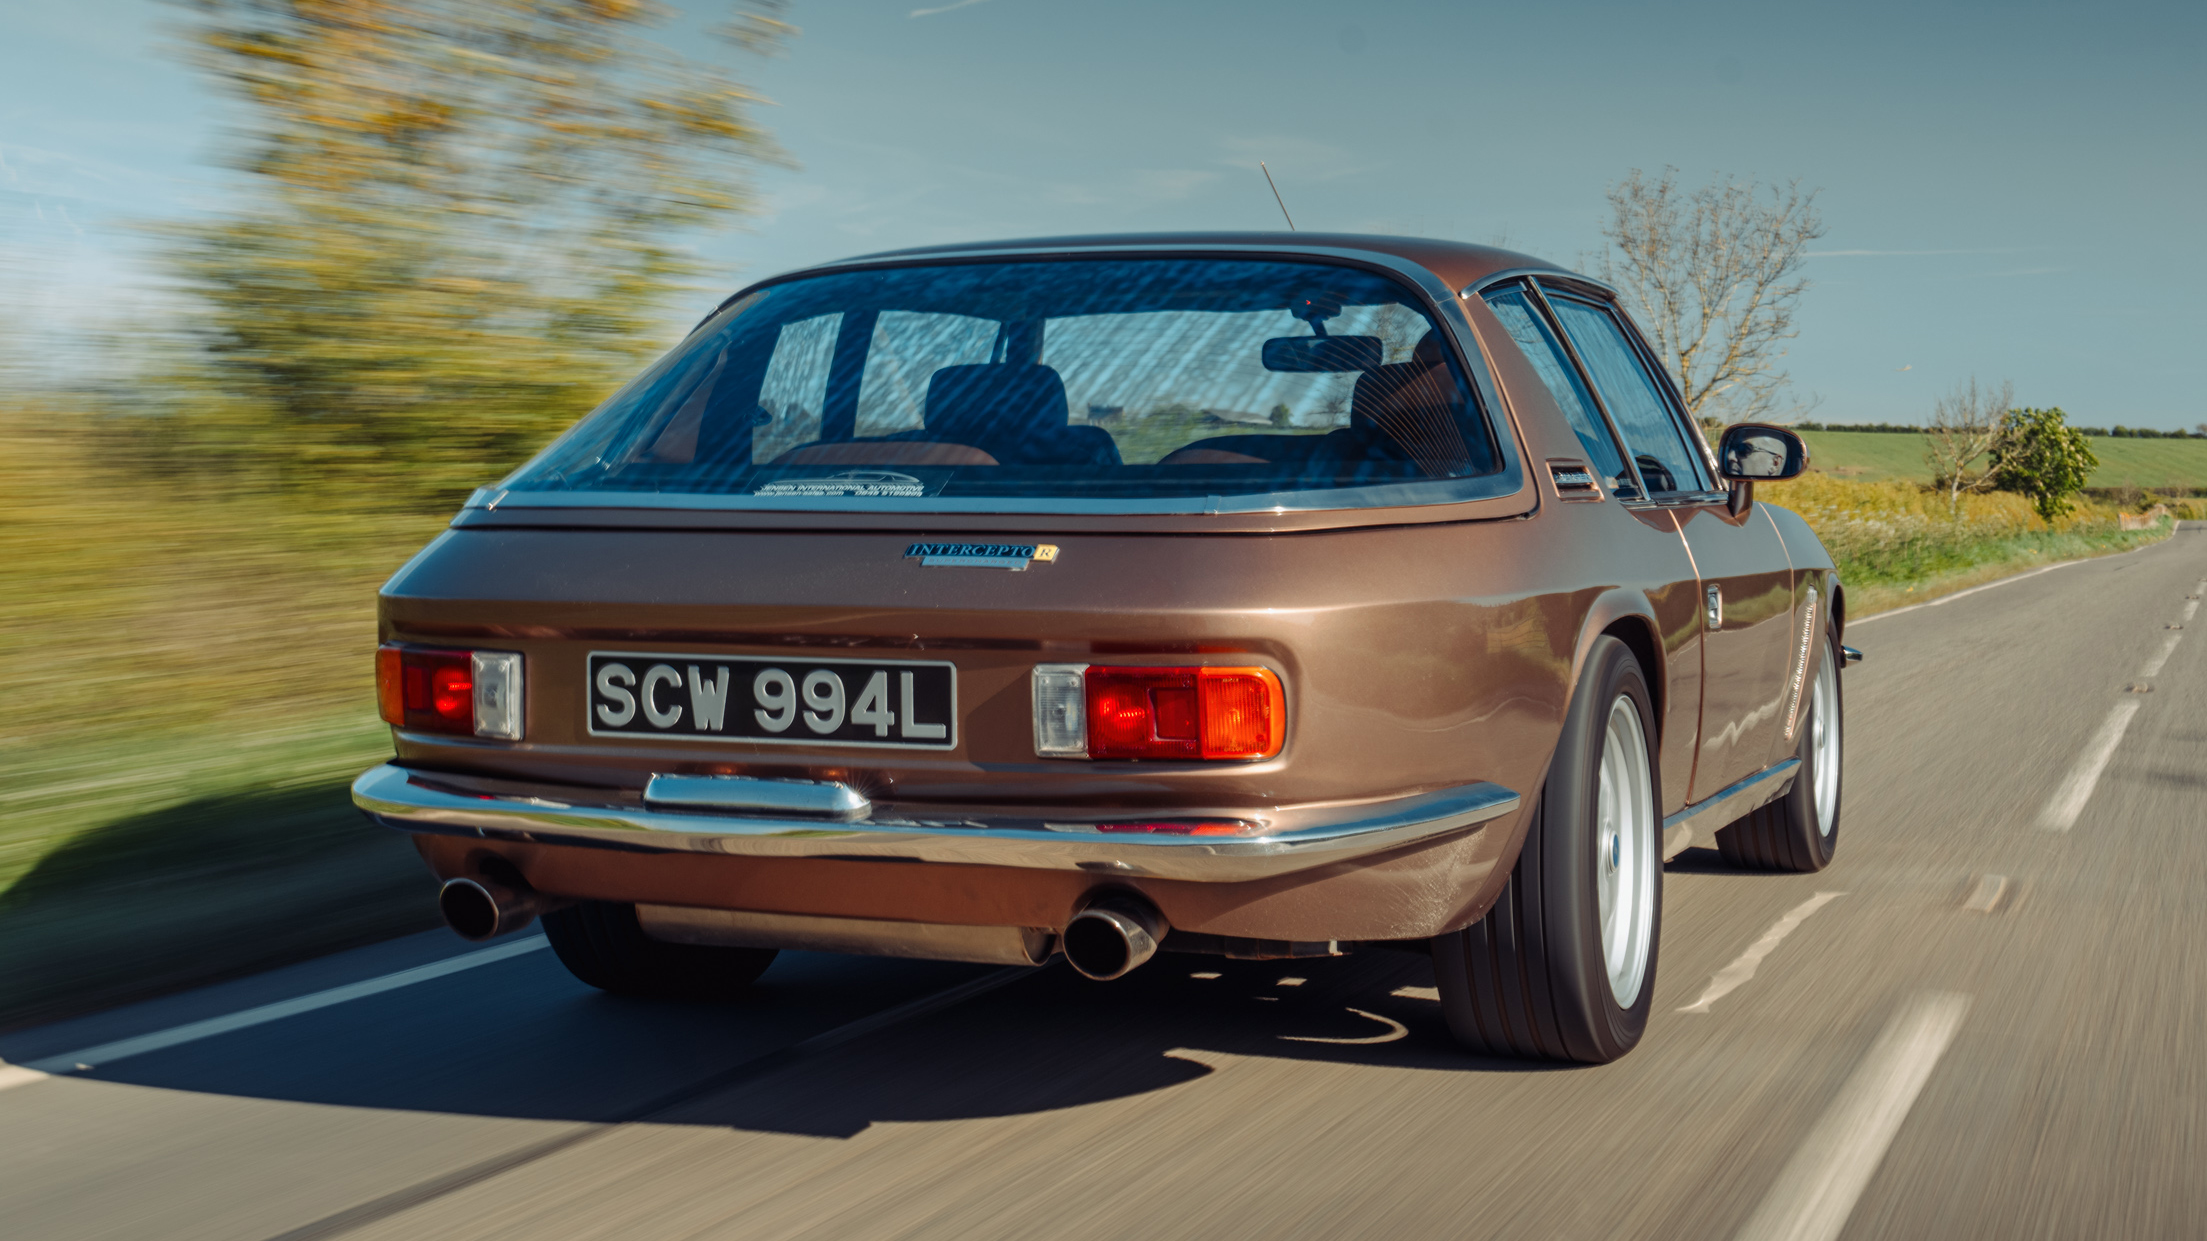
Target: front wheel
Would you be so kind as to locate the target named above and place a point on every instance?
(1563, 966)
(1800, 831)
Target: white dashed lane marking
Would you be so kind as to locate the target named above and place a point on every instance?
(1728, 979)
(2168, 648)
(1987, 893)
(2076, 788)
(1817, 1189)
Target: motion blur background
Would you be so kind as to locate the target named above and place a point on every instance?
(281, 279)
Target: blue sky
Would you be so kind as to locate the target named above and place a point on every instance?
(2012, 191)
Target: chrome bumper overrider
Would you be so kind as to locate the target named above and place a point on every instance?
(1297, 839)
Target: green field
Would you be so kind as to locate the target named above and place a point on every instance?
(1876, 456)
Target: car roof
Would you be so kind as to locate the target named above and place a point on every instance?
(1457, 264)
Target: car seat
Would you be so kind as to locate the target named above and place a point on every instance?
(1410, 410)
(1015, 412)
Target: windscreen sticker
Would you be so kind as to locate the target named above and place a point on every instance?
(848, 483)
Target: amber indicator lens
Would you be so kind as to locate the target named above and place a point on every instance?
(445, 691)
(1202, 713)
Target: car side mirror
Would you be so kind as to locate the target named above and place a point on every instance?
(1755, 452)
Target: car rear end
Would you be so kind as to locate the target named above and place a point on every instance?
(977, 609)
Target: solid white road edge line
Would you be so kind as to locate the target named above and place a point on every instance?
(1851, 623)
(1963, 594)
(108, 1053)
(1817, 1189)
(1728, 979)
(2076, 789)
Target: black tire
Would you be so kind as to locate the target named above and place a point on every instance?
(602, 944)
(1789, 834)
(1530, 979)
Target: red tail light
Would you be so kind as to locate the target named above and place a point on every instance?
(1229, 713)
(474, 693)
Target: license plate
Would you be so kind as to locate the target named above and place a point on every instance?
(816, 702)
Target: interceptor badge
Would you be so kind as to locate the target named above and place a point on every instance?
(1013, 556)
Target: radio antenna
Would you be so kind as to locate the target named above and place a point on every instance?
(1276, 197)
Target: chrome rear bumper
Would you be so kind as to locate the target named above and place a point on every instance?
(1276, 842)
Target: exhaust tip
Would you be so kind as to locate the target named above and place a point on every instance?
(475, 911)
(1110, 938)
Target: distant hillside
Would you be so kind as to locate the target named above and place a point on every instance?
(1872, 456)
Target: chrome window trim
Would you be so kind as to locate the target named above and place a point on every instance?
(1524, 278)
(1665, 389)
(1601, 403)
(1513, 479)
(1667, 385)
(1479, 287)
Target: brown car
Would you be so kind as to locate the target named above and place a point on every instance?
(1263, 595)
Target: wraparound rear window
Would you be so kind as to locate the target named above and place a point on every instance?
(1146, 382)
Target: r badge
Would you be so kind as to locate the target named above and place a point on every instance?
(1013, 556)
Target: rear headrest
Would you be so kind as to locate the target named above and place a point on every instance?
(994, 400)
(1412, 403)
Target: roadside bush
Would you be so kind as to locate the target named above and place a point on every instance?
(2041, 456)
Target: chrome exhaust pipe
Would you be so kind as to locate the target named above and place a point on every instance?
(486, 908)
(1113, 935)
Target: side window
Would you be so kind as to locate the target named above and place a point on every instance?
(1636, 403)
(795, 388)
(908, 348)
(1514, 307)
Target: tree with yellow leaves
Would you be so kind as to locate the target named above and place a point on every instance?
(464, 222)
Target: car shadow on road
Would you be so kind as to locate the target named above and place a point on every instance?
(1048, 1041)
(1060, 1041)
(1701, 860)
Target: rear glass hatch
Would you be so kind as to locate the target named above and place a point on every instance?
(1071, 384)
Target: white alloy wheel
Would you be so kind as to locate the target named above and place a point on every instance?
(1624, 839)
(1824, 742)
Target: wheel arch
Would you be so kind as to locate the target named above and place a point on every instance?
(1629, 617)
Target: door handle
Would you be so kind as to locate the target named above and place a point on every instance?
(1714, 606)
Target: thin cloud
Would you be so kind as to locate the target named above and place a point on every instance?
(958, 4)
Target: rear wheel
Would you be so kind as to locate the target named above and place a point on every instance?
(1800, 831)
(1563, 966)
(602, 944)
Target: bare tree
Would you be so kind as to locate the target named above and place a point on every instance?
(1712, 275)
(1965, 429)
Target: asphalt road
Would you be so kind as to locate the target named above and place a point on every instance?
(1987, 1019)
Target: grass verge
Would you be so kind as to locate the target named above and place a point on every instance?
(149, 864)
(189, 693)
(1896, 544)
